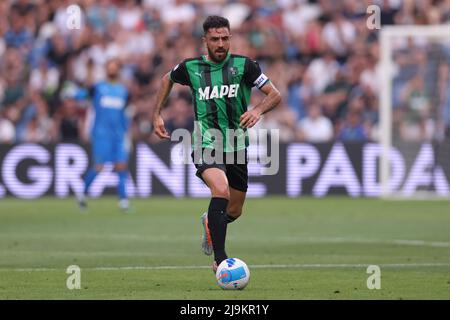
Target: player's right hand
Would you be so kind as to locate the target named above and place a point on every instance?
(160, 130)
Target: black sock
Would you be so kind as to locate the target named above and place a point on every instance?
(229, 219)
(218, 227)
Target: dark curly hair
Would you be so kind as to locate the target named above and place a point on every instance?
(213, 22)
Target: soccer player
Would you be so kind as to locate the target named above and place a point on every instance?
(221, 85)
(109, 131)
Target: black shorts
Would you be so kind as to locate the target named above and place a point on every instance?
(236, 172)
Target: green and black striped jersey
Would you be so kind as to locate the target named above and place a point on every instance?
(221, 94)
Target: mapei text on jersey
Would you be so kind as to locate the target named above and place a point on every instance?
(229, 91)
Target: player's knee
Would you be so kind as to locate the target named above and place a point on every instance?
(235, 211)
(220, 191)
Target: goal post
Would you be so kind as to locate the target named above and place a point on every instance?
(414, 95)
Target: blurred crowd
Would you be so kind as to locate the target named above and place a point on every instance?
(319, 53)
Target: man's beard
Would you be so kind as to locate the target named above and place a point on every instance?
(113, 76)
(214, 58)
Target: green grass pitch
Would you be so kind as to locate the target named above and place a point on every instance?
(296, 249)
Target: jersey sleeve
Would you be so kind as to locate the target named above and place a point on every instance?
(253, 76)
(179, 74)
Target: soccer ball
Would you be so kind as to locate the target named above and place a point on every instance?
(232, 274)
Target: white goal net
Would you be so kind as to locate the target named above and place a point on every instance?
(415, 111)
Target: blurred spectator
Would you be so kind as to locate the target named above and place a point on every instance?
(7, 129)
(69, 118)
(18, 36)
(180, 115)
(130, 15)
(15, 90)
(339, 35)
(144, 74)
(39, 128)
(23, 7)
(335, 95)
(315, 127)
(45, 78)
(59, 50)
(178, 12)
(416, 124)
(317, 52)
(283, 120)
(101, 16)
(370, 76)
(141, 125)
(320, 73)
(353, 128)
(297, 15)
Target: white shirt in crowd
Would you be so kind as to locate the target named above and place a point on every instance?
(321, 73)
(297, 16)
(7, 131)
(332, 36)
(316, 130)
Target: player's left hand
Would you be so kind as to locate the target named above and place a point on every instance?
(160, 130)
(250, 118)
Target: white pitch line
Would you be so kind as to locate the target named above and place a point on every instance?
(296, 239)
(260, 266)
(418, 243)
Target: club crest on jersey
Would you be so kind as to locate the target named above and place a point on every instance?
(233, 71)
(228, 91)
